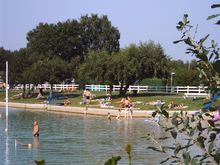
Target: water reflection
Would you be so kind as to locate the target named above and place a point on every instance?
(76, 139)
(6, 147)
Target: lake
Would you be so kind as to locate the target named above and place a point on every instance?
(70, 139)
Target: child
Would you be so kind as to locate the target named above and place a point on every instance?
(109, 116)
(119, 114)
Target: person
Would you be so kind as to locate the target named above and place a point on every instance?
(87, 95)
(17, 96)
(36, 129)
(108, 96)
(122, 103)
(171, 105)
(67, 102)
(130, 111)
(176, 106)
(109, 116)
(156, 103)
(127, 106)
(216, 116)
(119, 114)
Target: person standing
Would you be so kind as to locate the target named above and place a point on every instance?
(127, 106)
(119, 114)
(36, 129)
(88, 96)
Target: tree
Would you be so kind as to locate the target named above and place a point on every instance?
(186, 73)
(73, 39)
(5, 55)
(95, 68)
(52, 70)
(124, 67)
(98, 34)
(61, 39)
(18, 66)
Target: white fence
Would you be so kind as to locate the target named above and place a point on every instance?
(150, 89)
(56, 87)
(138, 89)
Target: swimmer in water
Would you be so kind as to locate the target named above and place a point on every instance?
(36, 129)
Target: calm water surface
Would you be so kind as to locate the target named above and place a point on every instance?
(74, 139)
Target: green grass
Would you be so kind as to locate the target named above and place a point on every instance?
(76, 97)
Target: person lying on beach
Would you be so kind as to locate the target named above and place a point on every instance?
(17, 96)
(176, 106)
(157, 102)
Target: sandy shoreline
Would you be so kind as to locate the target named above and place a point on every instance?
(79, 110)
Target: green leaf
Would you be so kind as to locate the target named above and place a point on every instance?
(211, 123)
(213, 16)
(217, 157)
(176, 42)
(211, 146)
(40, 162)
(113, 161)
(193, 118)
(199, 126)
(215, 5)
(164, 161)
(163, 138)
(154, 114)
(185, 20)
(174, 134)
(174, 121)
(155, 149)
(200, 140)
(212, 136)
(218, 22)
(169, 129)
(216, 66)
(186, 157)
(194, 162)
(186, 122)
(177, 149)
(202, 56)
(203, 39)
(165, 113)
(128, 149)
(217, 130)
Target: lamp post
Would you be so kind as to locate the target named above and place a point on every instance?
(171, 83)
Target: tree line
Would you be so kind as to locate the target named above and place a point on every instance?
(88, 50)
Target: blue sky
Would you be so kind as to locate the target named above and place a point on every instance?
(137, 20)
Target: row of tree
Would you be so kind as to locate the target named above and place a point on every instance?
(88, 50)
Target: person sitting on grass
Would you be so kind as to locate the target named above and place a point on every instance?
(216, 116)
(108, 96)
(67, 102)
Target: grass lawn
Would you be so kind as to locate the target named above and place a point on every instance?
(140, 99)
